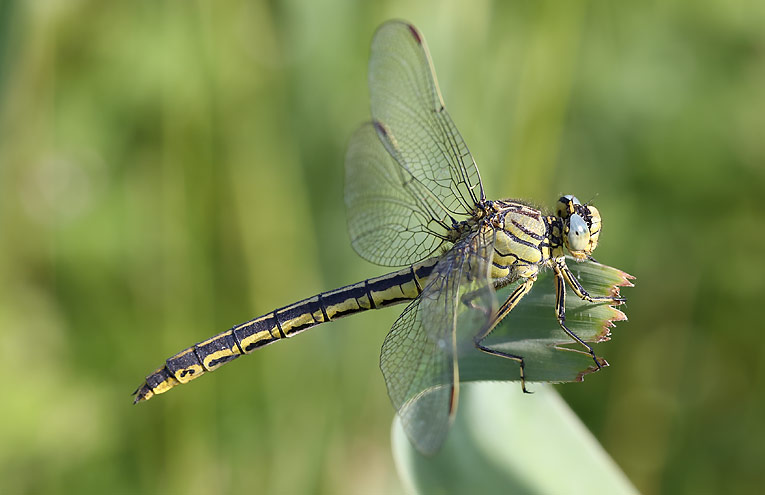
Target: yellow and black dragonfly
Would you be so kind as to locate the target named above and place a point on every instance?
(415, 200)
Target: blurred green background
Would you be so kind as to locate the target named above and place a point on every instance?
(171, 168)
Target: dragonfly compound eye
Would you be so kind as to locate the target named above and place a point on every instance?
(578, 233)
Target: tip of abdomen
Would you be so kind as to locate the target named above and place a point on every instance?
(143, 393)
(158, 382)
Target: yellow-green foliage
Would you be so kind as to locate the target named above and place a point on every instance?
(171, 168)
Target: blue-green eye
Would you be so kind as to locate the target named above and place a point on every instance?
(578, 233)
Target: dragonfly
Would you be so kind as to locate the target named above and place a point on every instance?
(415, 201)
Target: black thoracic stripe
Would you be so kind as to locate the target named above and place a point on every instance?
(505, 255)
(526, 212)
(526, 231)
(520, 241)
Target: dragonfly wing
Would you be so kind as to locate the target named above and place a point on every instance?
(409, 175)
(421, 381)
(389, 221)
(406, 100)
(419, 357)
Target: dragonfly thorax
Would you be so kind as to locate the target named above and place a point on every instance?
(527, 239)
(483, 215)
(521, 243)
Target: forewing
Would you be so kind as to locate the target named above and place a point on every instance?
(419, 357)
(421, 137)
(390, 220)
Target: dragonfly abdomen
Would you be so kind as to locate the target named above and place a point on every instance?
(374, 293)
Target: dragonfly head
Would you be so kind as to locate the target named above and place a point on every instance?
(581, 226)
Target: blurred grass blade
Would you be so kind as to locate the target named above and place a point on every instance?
(504, 441)
(532, 331)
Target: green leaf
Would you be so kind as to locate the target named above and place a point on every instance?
(531, 330)
(504, 441)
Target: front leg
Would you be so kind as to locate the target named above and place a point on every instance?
(562, 268)
(560, 308)
(511, 302)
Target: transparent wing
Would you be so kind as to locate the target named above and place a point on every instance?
(406, 100)
(390, 221)
(419, 357)
(409, 174)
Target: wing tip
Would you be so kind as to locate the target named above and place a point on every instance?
(414, 32)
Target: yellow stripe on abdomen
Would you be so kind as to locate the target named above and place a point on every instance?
(207, 356)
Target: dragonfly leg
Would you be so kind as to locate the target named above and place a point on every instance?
(560, 310)
(511, 302)
(470, 299)
(507, 355)
(561, 269)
